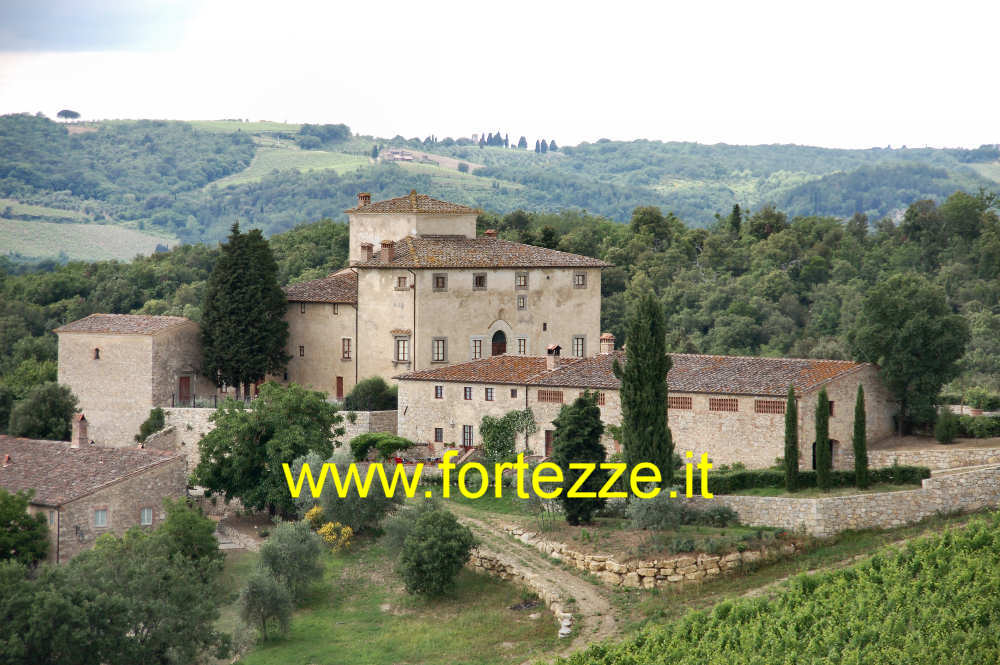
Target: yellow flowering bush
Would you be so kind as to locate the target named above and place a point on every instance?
(315, 517)
(336, 535)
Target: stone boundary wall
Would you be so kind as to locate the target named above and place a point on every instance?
(649, 574)
(188, 425)
(491, 564)
(828, 516)
(368, 421)
(942, 457)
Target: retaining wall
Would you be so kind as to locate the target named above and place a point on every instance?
(368, 421)
(940, 457)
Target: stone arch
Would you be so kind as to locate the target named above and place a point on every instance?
(499, 332)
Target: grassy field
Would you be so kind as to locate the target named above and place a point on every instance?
(360, 614)
(14, 208)
(289, 157)
(458, 179)
(88, 242)
(230, 126)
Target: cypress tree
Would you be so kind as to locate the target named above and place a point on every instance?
(545, 146)
(736, 219)
(506, 141)
(823, 461)
(860, 441)
(244, 333)
(522, 143)
(552, 145)
(578, 439)
(791, 442)
(645, 434)
(538, 146)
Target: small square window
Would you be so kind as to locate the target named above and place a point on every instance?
(336, 309)
(513, 393)
(146, 517)
(545, 326)
(522, 302)
(101, 517)
(302, 351)
(302, 308)
(479, 281)
(438, 392)
(579, 280)
(489, 394)
(521, 280)
(440, 281)
(467, 392)
(438, 435)
(401, 282)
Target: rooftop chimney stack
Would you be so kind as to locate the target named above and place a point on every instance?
(607, 343)
(79, 436)
(364, 198)
(413, 199)
(552, 356)
(491, 233)
(367, 249)
(387, 251)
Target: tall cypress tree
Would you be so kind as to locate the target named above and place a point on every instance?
(791, 442)
(244, 333)
(538, 145)
(824, 463)
(578, 439)
(860, 441)
(522, 143)
(645, 434)
(736, 219)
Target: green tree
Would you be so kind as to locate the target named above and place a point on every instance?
(907, 328)
(645, 434)
(264, 602)
(791, 441)
(577, 439)
(499, 434)
(30, 373)
(375, 151)
(67, 114)
(385, 444)
(860, 441)
(242, 456)
(44, 413)
(371, 394)
(824, 462)
(522, 143)
(292, 556)
(244, 333)
(434, 552)
(6, 404)
(23, 537)
(548, 238)
(947, 427)
(736, 219)
(552, 146)
(156, 421)
(187, 532)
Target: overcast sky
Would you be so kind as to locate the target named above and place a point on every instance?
(838, 74)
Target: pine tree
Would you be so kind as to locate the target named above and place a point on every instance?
(736, 219)
(860, 441)
(644, 431)
(545, 146)
(244, 333)
(522, 143)
(791, 442)
(822, 446)
(578, 439)
(552, 146)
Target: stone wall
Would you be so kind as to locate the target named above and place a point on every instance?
(124, 500)
(827, 516)
(188, 425)
(176, 352)
(369, 421)
(678, 569)
(320, 328)
(937, 457)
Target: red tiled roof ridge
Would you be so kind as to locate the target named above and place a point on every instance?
(810, 360)
(440, 252)
(337, 287)
(413, 203)
(125, 324)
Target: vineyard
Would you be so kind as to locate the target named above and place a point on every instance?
(934, 601)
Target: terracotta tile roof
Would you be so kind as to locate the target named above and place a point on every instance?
(340, 287)
(413, 203)
(735, 375)
(462, 252)
(122, 324)
(59, 474)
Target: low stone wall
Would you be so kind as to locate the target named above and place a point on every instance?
(183, 429)
(368, 421)
(940, 457)
(650, 574)
(828, 516)
(491, 564)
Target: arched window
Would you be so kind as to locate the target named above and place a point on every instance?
(499, 343)
(97, 354)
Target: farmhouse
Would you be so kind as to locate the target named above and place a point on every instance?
(86, 490)
(732, 408)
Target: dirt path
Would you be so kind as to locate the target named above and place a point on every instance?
(593, 615)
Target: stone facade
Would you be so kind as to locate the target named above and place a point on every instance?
(936, 458)
(961, 491)
(368, 421)
(316, 334)
(373, 228)
(183, 429)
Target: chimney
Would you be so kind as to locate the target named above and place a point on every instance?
(79, 436)
(6, 460)
(413, 199)
(366, 251)
(387, 251)
(491, 233)
(364, 198)
(607, 343)
(552, 356)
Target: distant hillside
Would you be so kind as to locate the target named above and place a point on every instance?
(193, 180)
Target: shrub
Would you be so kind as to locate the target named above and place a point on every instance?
(315, 517)
(387, 445)
(947, 426)
(292, 554)
(398, 526)
(660, 513)
(979, 427)
(265, 601)
(727, 483)
(154, 423)
(433, 553)
(44, 414)
(336, 535)
(371, 394)
(718, 516)
(362, 514)
(981, 398)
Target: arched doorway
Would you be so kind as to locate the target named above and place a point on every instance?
(499, 343)
(833, 451)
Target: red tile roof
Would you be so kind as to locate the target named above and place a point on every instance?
(340, 287)
(59, 473)
(413, 203)
(462, 252)
(736, 375)
(122, 324)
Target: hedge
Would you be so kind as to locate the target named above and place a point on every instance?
(727, 483)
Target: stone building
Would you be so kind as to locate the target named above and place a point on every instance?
(727, 406)
(87, 490)
(424, 291)
(120, 366)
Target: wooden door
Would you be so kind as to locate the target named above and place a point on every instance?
(548, 442)
(184, 390)
(340, 388)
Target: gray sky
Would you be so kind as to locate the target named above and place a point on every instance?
(844, 74)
